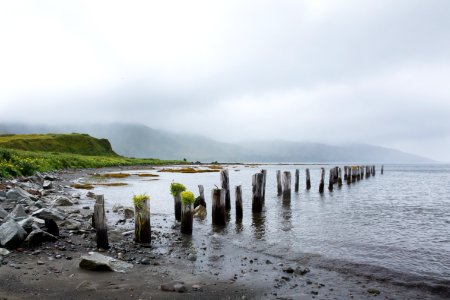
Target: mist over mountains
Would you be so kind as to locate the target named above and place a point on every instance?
(135, 140)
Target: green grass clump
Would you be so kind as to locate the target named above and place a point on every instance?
(138, 200)
(176, 188)
(187, 197)
(15, 163)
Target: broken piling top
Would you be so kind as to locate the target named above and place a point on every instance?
(286, 185)
(225, 182)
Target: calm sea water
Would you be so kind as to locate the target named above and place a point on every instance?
(399, 221)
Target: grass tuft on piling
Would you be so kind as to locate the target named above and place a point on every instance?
(176, 188)
(187, 197)
(139, 199)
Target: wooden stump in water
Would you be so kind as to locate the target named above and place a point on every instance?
(349, 175)
(99, 219)
(201, 198)
(382, 169)
(225, 179)
(296, 180)
(142, 229)
(264, 173)
(177, 205)
(218, 197)
(322, 180)
(339, 177)
(186, 218)
(354, 174)
(345, 173)
(331, 180)
(239, 211)
(257, 201)
(373, 170)
(279, 187)
(286, 185)
(308, 180)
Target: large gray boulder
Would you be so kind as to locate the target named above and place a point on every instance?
(17, 214)
(37, 236)
(3, 213)
(11, 234)
(48, 213)
(98, 262)
(17, 194)
(28, 223)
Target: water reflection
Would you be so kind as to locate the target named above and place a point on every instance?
(259, 225)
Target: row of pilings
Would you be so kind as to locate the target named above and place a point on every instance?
(221, 199)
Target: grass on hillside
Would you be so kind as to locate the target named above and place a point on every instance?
(17, 162)
(65, 143)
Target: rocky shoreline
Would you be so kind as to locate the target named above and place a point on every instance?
(48, 246)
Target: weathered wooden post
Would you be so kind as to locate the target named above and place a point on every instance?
(308, 180)
(257, 202)
(382, 169)
(286, 185)
(264, 173)
(218, 206)
(201, 198)
(225, 179)
(175, 190)
(239, 211)
(331, 180)
(349, 175)
(187, 200)
(142, 229)
(353, 174)
(345, 173)
(373, 170)
(279, 188)
(322, 180)
(100, 223)
(296, 181)
(339, 177)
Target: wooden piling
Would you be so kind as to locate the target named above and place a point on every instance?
(239, 210)
(373, 170)
(279, 187)
(142, 229)
(339, 177)
(308, 180)
(322, 180)
(286, 185)
(257, 201)
(296, 181)
(186, 218)
(349, 175)
(218, 197)
(201, 198)
(99, 219)
(177, 205)
(331, 180)
(264, 173)
(382, 169)
(345, 173)
(225, 179)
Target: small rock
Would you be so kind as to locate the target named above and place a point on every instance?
(145, 261)
(192, 257)
(288, 270)
(128, 212)
(62, 201)
(170, 286)
(200, 212)
(4, 252)
(180, 288)
(47, 185)
(373, 292)
(40, 262)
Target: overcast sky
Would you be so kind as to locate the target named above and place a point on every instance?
(327, 71)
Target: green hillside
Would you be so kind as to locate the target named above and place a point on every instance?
(27, 154)
(74, 143)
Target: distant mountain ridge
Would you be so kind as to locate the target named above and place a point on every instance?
(135, 140)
